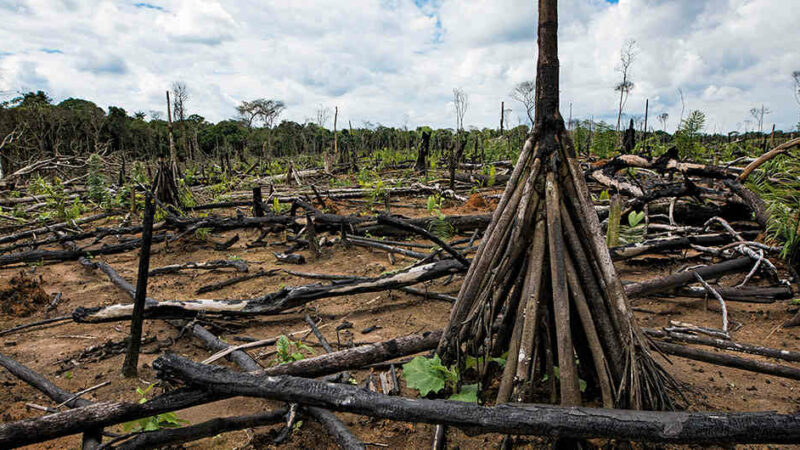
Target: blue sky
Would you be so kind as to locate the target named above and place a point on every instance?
(396, 62)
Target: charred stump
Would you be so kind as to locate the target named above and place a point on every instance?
(421, 166)
(166, 184)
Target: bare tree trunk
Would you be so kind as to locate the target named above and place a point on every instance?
(542, 286)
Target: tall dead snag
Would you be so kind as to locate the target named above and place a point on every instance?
(129, 367)
(542, 285)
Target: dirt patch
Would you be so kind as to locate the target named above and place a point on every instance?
(23, 297)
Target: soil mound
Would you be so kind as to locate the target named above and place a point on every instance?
(476, 201)
(23, 296)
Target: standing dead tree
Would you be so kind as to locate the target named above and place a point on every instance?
(460, 104)
(180, 95)
(525, 93)
(542, 285)
(626, 58)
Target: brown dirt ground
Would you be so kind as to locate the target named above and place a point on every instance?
(53, 351)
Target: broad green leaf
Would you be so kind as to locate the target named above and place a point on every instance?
(582, 385)
(468, 393)
(282, 345)
(421, 375)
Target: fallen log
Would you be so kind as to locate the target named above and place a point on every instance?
(96, 416)
(787, 355)
(49, 228)
(231, 223)
(271, 303)
(736, 362)
(675, 280)
(98, 233)
(404, 225)
(243, 360)
(628, 251)
(93, 436)
(742, 294)
(541, 420)
(229, 282)
(239, 265)
(34, 324)
(352, 358)
(783, 148)
(751, 199)
(172, 436)
(72, 255)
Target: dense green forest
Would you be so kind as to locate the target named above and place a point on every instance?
(42, 128)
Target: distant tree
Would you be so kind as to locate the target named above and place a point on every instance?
(624, 87)
(155, 115)
(663, 117)
(796, 90)
(180, 96)
(323, 115)
(525, 93)
(796, 81)
(758, 114)
(261, 111)
(140, 115)
(460, 104)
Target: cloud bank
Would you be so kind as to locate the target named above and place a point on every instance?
(396, 62)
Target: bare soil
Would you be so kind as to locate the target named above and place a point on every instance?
(77, 356)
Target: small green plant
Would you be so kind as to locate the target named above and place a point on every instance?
(440, 227)
(202, 233)
(634, 230)
(289, 351)
(278, 207)
(434, 203)
(153, 423)
(96, 181)
(429, 375)
(490, 171)
(56, 199)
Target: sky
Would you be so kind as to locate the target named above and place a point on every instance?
(396, 62)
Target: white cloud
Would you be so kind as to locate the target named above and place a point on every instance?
(392, 61)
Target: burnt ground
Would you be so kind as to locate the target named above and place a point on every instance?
(59, 352)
